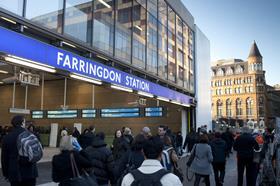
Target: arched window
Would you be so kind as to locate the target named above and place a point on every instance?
(238, 70)
(261, 106)
(228, 108)
(220, 72)
(213, 73)
(249, 105)
(219, 108)
(229, 71)
(238, 107)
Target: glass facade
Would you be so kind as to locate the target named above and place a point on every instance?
(123, 30)
(45, 13)
(148, 34)
(139, 35)
(15, 6)
(78, 19)
(103, 25)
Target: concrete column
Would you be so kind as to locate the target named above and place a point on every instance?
(78, 126)
(53, 134)
(184, 123)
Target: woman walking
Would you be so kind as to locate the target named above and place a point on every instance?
(201, 164)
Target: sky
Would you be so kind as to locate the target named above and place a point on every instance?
(233, 25)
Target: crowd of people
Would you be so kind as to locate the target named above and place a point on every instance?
(141, 159)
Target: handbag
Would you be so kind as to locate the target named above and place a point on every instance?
(79, 180)
(257, 156)
(191, 158)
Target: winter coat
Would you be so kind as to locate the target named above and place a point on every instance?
(62, 169)
(102, 161)
(133, 158)
(120, 146)
(202, 160)
(86, 139)
(219, 148)
(15, 167)
(245, 145)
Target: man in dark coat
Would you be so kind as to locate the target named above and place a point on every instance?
(101, 159)
(87, 137)
(17, 169)
(245, 145)
(219, 149)
(228, 137)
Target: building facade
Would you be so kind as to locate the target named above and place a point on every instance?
(203, 79)
(238, 91)
(145, 48)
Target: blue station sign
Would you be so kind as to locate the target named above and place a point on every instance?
(17, 44)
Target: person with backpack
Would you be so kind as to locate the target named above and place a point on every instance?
(169, 157)
(151, 171)
(18, 165)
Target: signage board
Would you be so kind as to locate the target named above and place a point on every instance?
(19, 45)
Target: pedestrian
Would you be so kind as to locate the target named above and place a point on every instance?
(146, 131)
(229, 139)
(179, 143)
(245, 145)
(132, 158)
(17, 169)
(76, 133)
(87, 137)
(203, 158)
(120, 146)
(64, 131)
(161, 132)
(127, 135)
(191, 139)
(169, 156)
(61, 163)
(219, 149)
(151, 171)
(101, 159)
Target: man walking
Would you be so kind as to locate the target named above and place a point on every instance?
(151, 171)
(245, 145)
(18, 170)
(219, 148)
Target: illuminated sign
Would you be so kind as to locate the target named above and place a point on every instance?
(17, 44)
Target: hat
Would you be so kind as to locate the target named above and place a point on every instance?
(146, 130)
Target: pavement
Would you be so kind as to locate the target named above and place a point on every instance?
(44, 169)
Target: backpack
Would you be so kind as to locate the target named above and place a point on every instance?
(141, 179)
(29, 146)
(166, 159)
(128, 168)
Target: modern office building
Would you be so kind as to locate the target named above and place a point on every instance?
(238, 91)
(111, 63)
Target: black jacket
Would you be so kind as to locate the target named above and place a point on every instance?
(102, 161)
(132, 158)
(62, 169)
(219, 149)
(245, 145)
(14, 167)
(120, 146)
(86, 139)
(179, 140)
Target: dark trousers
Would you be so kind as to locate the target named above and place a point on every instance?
(247, 163)
(198, 178)
(219, 172)
(29, 182)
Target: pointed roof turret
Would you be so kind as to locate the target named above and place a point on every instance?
(254, 52)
